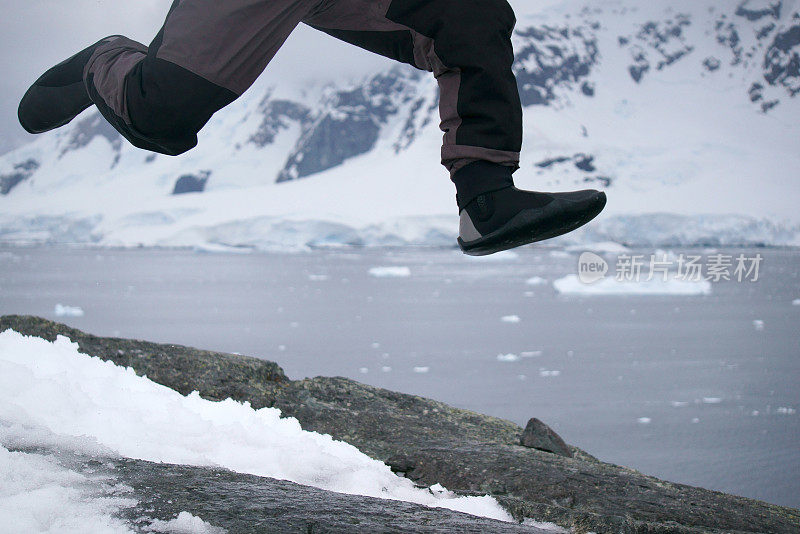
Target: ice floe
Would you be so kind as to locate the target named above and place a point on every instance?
(571, 285)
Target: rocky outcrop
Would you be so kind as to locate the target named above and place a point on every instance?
(554, 58)
(22, 171)
(349, 123)
(87, 130)
(237, 503)
(431, 442)
(756, 10)
(657, 44)
(191, 183)
(782, 60)
(277, 116)
(582, 162)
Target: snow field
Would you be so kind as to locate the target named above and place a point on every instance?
(57, 390)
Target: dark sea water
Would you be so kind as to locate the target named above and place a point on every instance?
(703, 390)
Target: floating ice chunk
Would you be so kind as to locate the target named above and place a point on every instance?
(185, 523)
(711, 400)
(785, 411)
(386, 369)
(695, 420)
(796, 302)
(754, 413)
(530, 353)
(644, 420)
(536, 281)
(68, 311)
(213, 248)
(545, 373)
(758, 324)
(679, 404)
(421, 369)
(390, 272)
(318, 277)
(571, 285)
(507, 358)
(363, 370)
(510, 319)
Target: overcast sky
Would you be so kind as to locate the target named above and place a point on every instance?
(37, 34)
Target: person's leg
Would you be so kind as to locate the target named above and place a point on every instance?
(467, 46)
(207, 54)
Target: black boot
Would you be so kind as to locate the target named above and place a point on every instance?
(59, 95)
(508, 217)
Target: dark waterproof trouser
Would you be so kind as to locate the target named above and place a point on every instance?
(210, 51)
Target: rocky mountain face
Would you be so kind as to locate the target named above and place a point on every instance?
(347, 122)
(21, 171)
(551, 61)
(755, 40)
(596, 70)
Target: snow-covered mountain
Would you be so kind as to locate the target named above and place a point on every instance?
(685, 112)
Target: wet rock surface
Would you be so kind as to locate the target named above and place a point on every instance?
(431, 442)
(244, 504)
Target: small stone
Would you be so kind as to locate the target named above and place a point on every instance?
(538, 435)
(400, 463)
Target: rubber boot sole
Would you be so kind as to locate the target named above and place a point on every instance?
(533, 225)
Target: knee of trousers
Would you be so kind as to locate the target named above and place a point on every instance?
(168, 103)
(484, 15)
(466, 33)
(428, 17)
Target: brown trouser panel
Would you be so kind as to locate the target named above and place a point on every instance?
(209, 52)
